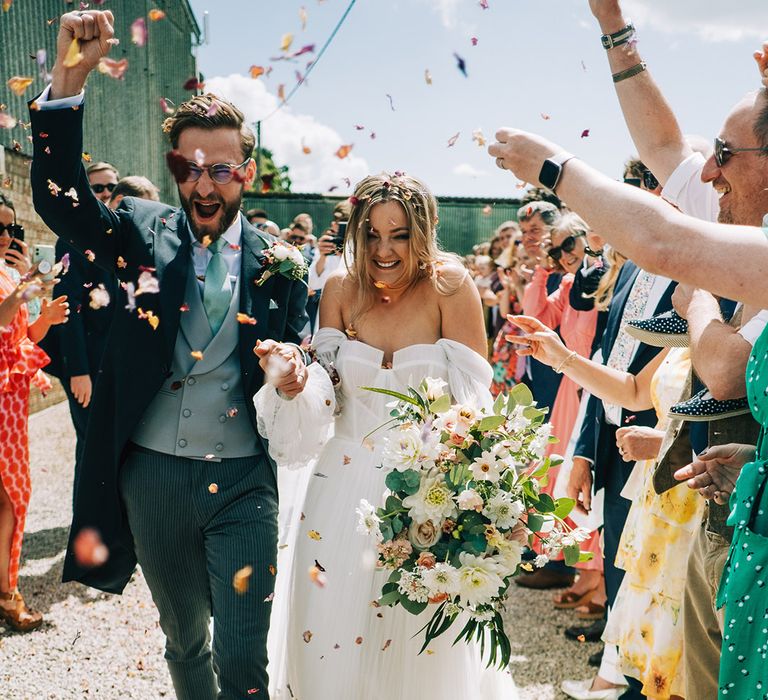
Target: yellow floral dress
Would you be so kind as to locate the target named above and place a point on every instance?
(646, 622)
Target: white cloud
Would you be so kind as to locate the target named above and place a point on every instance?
(448, 10)
(467, 170)
(712, 20)
(286, 132)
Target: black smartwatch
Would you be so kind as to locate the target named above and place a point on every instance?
(552, 169)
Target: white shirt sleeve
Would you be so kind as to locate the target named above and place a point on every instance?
(685, 190)
(317, 280)
(44, 103)
(752, 329)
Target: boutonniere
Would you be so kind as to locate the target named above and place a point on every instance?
(284, 259)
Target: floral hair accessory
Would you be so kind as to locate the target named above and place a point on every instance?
(284, 259)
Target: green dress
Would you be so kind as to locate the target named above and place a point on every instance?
(743, 590)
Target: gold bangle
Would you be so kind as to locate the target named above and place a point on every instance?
(630, 72)
(559, 369)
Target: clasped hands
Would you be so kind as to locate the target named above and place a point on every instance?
(283, 366)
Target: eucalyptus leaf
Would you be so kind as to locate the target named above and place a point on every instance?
(571, 554)
(563, 507)
(412, 606)
(522, 395)
(390, 598)
(441, 405)
(535, 522)
(491, 423)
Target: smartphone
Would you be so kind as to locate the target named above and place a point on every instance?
(338, 237)
(44, 256)
(18, 235)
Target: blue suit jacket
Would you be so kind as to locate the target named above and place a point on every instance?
(597, 438)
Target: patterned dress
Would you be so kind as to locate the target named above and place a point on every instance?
(20, 363)
(744, 664)
(646, 622)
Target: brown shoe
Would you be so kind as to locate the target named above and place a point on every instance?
(18, 616)
(590, 611)
(545, 578)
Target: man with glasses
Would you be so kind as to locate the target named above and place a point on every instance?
(103, 178)
(174, 473)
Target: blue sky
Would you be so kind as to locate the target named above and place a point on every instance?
(532, 57)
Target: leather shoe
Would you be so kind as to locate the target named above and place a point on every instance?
(545, 578)
(579, 690)
(589, 633)
(704, 407)
(667, 330)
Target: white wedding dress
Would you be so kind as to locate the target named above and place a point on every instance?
(332, 642)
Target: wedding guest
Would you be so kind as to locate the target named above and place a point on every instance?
(21, 361)
(536, 220)
(77, 348)
(259, 218)
(103, 178)
(568, 238)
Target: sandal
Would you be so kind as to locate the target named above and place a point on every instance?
(20, 617)
(569, 599)
(590, 611)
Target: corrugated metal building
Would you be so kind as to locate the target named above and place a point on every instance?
(125, 129)
(464, 221)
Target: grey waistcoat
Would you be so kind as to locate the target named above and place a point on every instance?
(200, 410)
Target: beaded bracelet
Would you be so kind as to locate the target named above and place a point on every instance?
(559, 369)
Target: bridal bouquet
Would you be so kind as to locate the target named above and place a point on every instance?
(463, 499)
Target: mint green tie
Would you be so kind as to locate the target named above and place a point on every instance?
(217, 293)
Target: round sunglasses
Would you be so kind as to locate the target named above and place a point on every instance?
(14, 230)
(220, 173)
(567, 246)
(723, 151)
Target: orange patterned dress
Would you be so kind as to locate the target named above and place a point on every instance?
(20, 363)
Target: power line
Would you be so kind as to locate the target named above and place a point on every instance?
(313, 64)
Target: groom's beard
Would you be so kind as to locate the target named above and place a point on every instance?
(227, 214)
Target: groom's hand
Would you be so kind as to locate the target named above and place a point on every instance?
(94, 32)
(283, 366)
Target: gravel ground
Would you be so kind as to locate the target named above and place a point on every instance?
(95, 645)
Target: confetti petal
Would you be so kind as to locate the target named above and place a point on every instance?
(303, 17)
(461, 64)
(139, 32)
(193, 84)
(452, 141)
(358, 640)
(7, 121)
(317, 577)
(545, 117)
(474, 41)
(88, 548)
(281, 92)
(246, 319)
(178, 165)
(73, 55)
(197, 355)
(343, 151)
(307, 636)
(585, 133)
(478, 137)
(242, 579)
(314, 535)
(156, 15)
(427, 77)
(286, 41)
(112, 68)
(18, 84)
(257, 71)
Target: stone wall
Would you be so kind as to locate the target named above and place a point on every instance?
(14, 178)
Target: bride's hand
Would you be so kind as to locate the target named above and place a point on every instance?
(283, 368)
(538, 341)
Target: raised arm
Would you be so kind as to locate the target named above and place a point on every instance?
(548, 308)
(729, 261)
(650, 120)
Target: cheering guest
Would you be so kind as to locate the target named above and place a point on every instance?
(20, 363)
(103, 178)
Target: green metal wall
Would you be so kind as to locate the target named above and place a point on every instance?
(463, 221)
(122, 117)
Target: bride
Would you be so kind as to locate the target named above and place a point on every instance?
(403, 310)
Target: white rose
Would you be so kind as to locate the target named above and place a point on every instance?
(404, 449)
(424, 535)
(280, 252)
(469, 499)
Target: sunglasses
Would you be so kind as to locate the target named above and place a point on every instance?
(99, 188)
(723, 151)
(567, 246)
(220, 173)
(14, 230)
(648, 179)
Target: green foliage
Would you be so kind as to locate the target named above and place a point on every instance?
(276, 176)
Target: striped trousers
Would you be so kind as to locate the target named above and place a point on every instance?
(195, 524)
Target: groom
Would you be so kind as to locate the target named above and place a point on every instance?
(174, 473)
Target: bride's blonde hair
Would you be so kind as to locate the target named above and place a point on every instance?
(426, 259)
